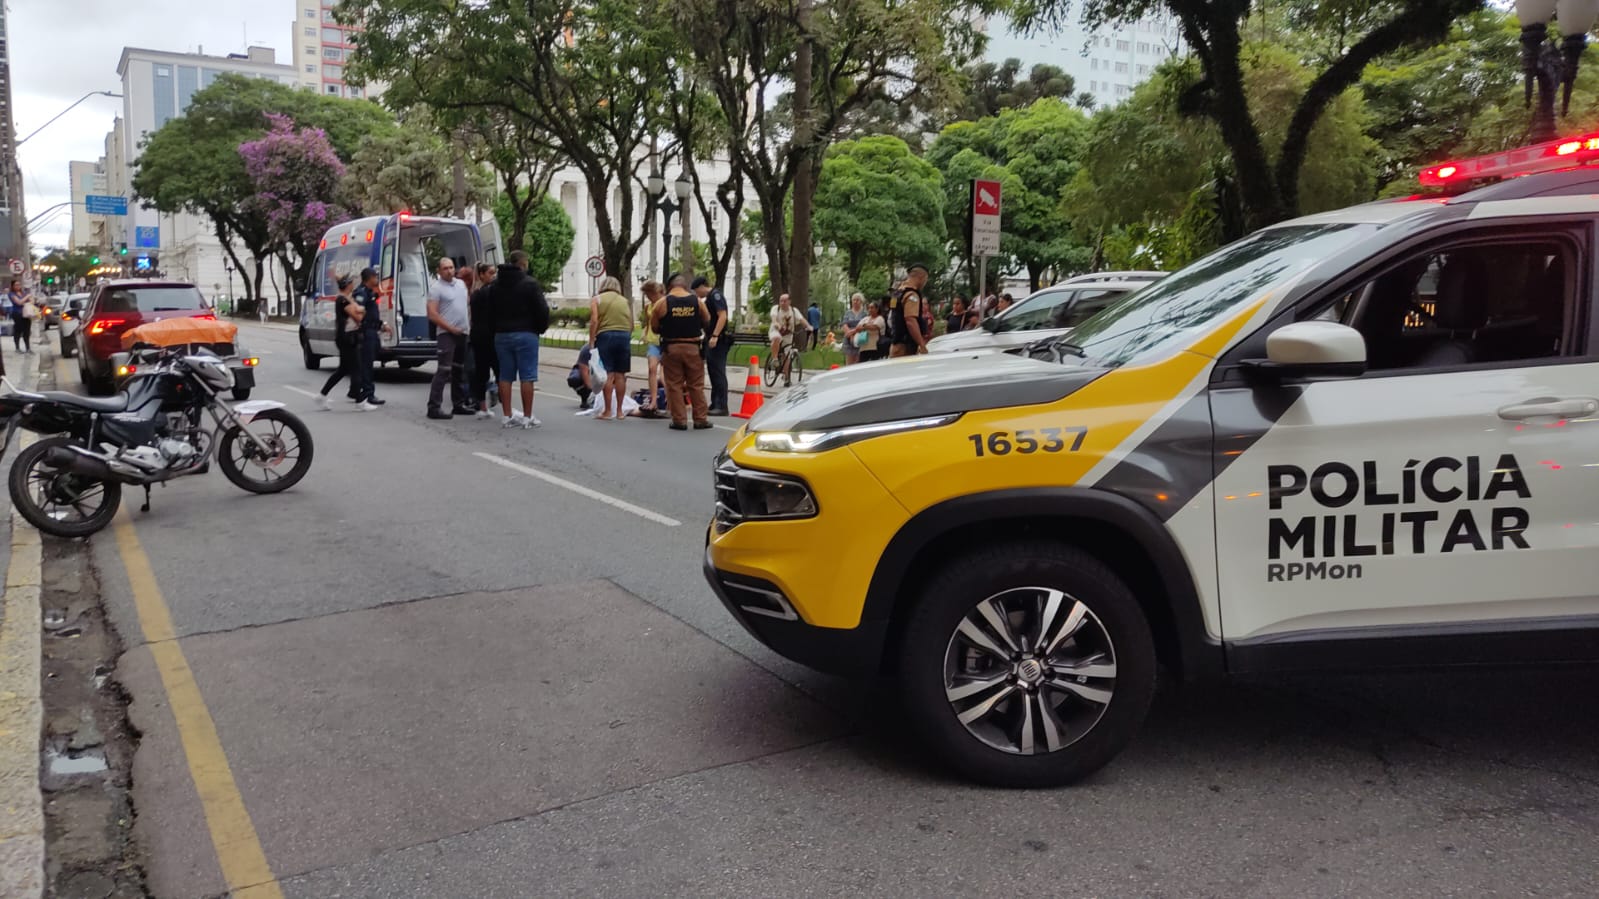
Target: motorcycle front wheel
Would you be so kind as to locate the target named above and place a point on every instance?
(279, 463)
(56, 501)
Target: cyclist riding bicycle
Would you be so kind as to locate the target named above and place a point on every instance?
(786, 322)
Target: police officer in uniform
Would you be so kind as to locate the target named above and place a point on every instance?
(680, 318)
(909, 316)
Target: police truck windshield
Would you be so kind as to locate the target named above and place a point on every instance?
(1175, 309)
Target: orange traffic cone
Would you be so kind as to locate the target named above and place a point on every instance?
(833, 366)
(753, 398)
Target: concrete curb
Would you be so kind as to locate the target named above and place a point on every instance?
(21, 712)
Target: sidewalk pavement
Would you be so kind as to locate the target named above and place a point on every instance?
(21, 712)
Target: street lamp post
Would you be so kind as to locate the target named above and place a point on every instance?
(1549, 66)
(227, 266)
(67, 110)
(682, 188)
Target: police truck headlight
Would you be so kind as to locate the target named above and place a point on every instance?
(817, 441)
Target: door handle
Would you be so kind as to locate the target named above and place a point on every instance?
(1550, 407)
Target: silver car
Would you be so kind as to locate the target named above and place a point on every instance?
(71, 310)
(1047, 313)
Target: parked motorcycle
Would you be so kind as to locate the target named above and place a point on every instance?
(69, 484)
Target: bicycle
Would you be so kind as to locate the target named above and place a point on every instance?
(774, 364)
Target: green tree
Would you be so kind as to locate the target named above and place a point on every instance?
(547, 233)
(835, 59)
(192, 163)
(1267, 184)
(408, 169)
(581, 80)
(993, 87)
(880, 205)
(1034, 153)
(1156, 189)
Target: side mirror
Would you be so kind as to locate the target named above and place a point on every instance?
(991, 325)
(1314, 349)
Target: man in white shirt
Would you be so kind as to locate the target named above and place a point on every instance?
(447, 310)
(786, 323)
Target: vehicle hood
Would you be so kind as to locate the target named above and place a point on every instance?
(918, 387)
(975, 339)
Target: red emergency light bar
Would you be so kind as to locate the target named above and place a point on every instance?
(1563, 153)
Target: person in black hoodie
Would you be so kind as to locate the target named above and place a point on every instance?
(520, 315)
(485, 365)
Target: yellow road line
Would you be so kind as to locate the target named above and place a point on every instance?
(239, 853)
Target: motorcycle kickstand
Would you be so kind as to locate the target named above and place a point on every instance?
(146, 506)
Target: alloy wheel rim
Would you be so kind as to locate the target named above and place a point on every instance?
(64, 497)
(1029, 670)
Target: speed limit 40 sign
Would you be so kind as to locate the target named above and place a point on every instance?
(595, 266)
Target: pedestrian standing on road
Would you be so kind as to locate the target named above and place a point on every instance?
(611, 334)
(717, 343)
(653, 292)
(447, 310)
(681, 318)
(813, 317)
(347, 314)
(909, 318)
(485, 362)
(854, 337)
(18, 301)
(369, 335)
(875, 327)
(521, 314)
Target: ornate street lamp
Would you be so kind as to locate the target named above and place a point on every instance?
(1542, 62)
(682, 187)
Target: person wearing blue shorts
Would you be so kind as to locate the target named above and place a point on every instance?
(521, 314)
(611, 333)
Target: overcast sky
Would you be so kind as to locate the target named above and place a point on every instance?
(62, 49)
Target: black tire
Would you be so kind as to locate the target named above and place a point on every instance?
(407, 364)
(312, 360)
(240, 394)
(22, 497)
(931, 663)
(798, 369)
(232, 452)
(772, 369)
(69, 347)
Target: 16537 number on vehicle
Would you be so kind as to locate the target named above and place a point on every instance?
(1028, 441)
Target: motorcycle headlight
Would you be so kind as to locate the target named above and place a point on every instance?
(817, 441)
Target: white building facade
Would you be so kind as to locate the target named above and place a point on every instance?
(88, 231)
(1113, 60)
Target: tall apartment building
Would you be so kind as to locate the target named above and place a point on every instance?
(13, 220)
(157, 87)
(321, 48)
(89, 232)
(1110, 62)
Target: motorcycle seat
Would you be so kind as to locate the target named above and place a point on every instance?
(109, 404)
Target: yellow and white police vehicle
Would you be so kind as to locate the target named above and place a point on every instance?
(1358, 439)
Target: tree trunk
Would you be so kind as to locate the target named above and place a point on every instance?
(799, 245)
(857, 261)
(1228, 106)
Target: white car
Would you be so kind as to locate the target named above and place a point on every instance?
(1047, 313)
(71, 312)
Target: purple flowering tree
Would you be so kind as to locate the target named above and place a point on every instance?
(296, 176)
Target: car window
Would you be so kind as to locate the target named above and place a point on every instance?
(336, 262)
(1037, 311)
(1088, 303)
(1468, 304)
(152, 299)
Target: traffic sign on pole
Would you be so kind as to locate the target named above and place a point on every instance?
(985, 218)
(595, 266)
(17, 267)
(105, 204)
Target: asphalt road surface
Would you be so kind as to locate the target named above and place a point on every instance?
(463, 661)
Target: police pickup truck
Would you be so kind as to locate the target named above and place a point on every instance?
(1359, 439)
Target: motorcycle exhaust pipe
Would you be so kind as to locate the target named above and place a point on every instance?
(83, 464)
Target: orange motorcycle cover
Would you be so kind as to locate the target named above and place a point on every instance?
(181, 331)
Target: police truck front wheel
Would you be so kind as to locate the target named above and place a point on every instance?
(1027, 665)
